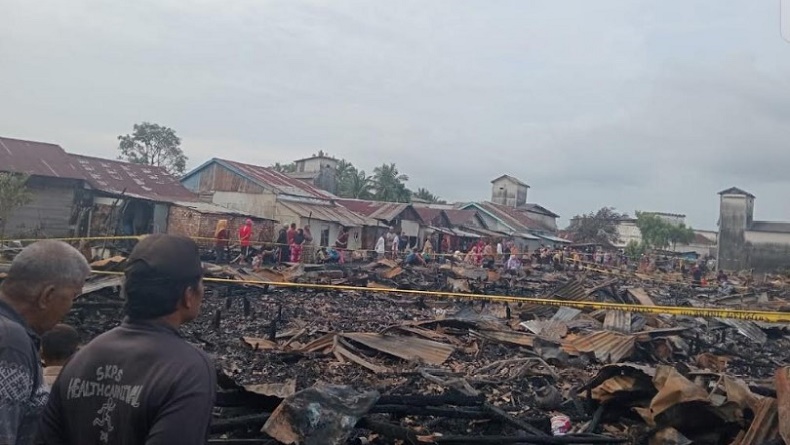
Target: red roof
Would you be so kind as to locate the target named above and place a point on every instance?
(37, 158)
(460, 217)
(380, 210)
(270, 178)
(138, 180)
(513, 217)
(428, 214)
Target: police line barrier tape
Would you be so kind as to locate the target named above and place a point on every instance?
(737, 314)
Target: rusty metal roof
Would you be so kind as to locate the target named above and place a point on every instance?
(138, 180)
(459, 217)
(608, 346)
(326, 212)
(37, 158)
(272, 179)
(517, 220)
(386, 211)
(407, 348)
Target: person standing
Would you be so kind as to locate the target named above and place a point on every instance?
(381, 247)
(395, 246)
(282, 246)
(141, 382)
(245, 234)
(296, 247)
(308, 250)
(41, 285)
(221, 237)
(342, 244)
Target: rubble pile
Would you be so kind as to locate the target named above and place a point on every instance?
(324, 365)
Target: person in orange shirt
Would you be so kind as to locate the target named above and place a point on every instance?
(245, 233)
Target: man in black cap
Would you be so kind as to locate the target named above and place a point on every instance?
(141, 383)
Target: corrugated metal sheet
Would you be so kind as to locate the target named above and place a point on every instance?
(272, 179)
(428, 214)
(618, 321)
(518, 220)
(407, 348)
(608, 347)
(214, 209)
(765, 426)
(782, 382)
(566, 314)
(37, 158)
(386, 211)
(330, 213)
(102, 283)
(140, 181)
(747, 329)
(459, 217)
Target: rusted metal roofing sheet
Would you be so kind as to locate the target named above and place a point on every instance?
(407, 348)
(782, 382)
(209, 208)
(517, 219)
(37, 158)
(325, 212)
(618, 321)
(428, 214)
(608, 347)
(272, 179)
(133, 180)
(386, 211)
(459, 217)
(764, 427)
(747, 329)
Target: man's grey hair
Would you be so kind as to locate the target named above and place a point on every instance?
(45, 263)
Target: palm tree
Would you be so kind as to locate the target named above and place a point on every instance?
(425, 195)
(359, 185)
(389, 184)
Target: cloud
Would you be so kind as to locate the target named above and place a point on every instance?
(637, 105)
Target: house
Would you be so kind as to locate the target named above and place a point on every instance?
(383, 215)
(199, 220)
(127, 198)
(528, 231)
(435, 225)
(318, 170)
(56, 184)
(267, 193)
(744, 243)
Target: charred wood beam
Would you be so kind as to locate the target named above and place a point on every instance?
(445, 399)
(410, 437)
(450, 413)
(504, 417)
(254, 421)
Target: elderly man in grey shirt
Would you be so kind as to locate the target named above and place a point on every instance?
(43, 281)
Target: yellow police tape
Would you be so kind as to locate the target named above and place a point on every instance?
(738, 314)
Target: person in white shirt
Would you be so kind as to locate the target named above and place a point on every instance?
(380, 247)
(395, 245)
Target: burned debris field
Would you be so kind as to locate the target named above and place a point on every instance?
(386, 367)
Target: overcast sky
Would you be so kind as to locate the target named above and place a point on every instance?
(640, 105)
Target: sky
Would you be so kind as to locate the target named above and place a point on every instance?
(639, 105)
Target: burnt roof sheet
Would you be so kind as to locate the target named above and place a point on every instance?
(37, 158)
(139, 181)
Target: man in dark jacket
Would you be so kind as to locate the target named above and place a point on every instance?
(141, 383)
(40, 287)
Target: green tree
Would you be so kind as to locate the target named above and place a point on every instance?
(657, 233)
(425, 195)
(284, 168)
(153, 144)
(390, 184)
(13, 194)
(596, 227)
(634, 250)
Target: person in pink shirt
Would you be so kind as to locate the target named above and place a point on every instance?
(245, 233)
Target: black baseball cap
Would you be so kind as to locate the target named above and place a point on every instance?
(164, 257)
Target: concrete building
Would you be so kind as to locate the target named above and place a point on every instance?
(627, 230)
(319, 171)
(744, 243)
(508, 191)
